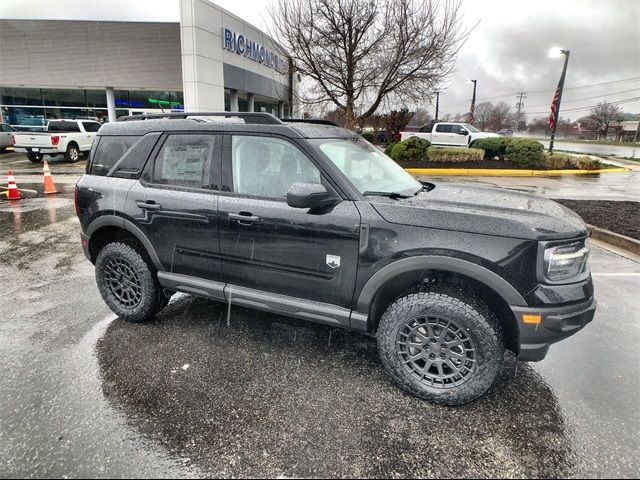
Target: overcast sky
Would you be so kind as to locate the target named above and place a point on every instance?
(507, 51)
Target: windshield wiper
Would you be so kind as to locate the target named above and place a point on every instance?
(394, 195)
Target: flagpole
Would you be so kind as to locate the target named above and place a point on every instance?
(560, 88)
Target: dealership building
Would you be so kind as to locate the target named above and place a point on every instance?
(99, 59)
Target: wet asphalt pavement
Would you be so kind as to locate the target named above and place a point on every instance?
(197, 392)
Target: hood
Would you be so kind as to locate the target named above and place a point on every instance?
(484, 210)
(485, 135)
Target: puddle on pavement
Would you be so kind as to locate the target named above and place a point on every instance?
(271, 396)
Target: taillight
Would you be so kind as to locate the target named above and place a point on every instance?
(55, 139)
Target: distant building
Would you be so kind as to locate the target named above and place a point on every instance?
(91, 58)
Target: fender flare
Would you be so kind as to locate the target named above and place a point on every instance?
(449, 264)
(115, 221)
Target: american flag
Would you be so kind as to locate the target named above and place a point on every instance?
(553, 118)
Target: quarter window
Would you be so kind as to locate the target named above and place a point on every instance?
(109, 151)
(183, 159)
(91, 126)
(267, 167)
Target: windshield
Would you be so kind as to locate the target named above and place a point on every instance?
(471, 128)
(368, 169)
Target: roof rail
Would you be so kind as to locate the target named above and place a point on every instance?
(316, 121)
(248, 117)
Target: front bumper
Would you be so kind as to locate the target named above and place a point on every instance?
(556, 323)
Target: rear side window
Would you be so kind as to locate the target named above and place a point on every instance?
(182, 160)
(91, 126)
(62, 126)
(109, 151)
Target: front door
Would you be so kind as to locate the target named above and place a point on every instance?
(267, 245)
(175, 204)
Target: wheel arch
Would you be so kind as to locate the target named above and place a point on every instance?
(391, 281)
(109, 228)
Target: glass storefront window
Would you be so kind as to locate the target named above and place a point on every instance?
(25, 118)
(58, 97)
(20, 96)
(96, 98)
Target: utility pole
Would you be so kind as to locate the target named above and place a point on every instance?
(437, 104)
(637, 136)
(519, 105)
(473, 101)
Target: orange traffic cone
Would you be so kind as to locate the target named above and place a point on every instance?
(49, 187)
(13, 193)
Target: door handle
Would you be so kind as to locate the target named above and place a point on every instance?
(244, 218)
(149, 205)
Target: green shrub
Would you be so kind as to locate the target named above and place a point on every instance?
(493, 147)
(525, 152)
(560, 160)
(412, 148)
(455, 155)
(368, 136)
(387, 151)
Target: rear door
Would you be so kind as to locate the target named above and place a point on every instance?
(442, 134)
(86, 139)
(175, 203)
(266, 244)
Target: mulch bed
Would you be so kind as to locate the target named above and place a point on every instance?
(491, 164)
(618, 217)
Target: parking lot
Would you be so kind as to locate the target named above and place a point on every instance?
(201, 391)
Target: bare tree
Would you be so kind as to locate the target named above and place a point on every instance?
(501, 117)
(483, 114)
(395, 122)
(602, 116)
(363, 54)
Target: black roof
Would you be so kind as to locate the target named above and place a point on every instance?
(239, 122)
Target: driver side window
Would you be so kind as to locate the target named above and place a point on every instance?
(267, 167)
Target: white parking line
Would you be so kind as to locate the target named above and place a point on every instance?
(629, 274)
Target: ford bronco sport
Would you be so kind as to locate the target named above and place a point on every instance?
(309, 220)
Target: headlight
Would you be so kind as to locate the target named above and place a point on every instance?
(567, 263)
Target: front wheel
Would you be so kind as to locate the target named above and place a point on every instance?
(128, 283)
(441, 344)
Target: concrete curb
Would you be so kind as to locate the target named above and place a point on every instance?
(488, 172)
(623, 242)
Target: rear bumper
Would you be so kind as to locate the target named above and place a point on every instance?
(85, 245)
(557, 323)
(45, 150)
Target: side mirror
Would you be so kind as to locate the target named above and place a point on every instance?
(308, 195)
(463, 132)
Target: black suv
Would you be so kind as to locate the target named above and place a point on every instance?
(309, 220)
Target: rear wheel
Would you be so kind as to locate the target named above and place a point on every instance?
(127, 282)
(73, 153)
(34, 157)
(442, 345)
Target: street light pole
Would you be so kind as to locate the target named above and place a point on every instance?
(473, 101)
(437, 103)
(560, 89)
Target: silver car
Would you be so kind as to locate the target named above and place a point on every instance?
(6, 132)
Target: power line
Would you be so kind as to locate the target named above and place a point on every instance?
(590, 98)
(602, 84)
(565, 110)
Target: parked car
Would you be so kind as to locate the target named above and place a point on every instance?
(309, 220)
(6, 136)
(68, 137)
(506, 132)
(444, 134)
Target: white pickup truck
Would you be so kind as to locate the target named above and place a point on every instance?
(444, 134)
(68, 137)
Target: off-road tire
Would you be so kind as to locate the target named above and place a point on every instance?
(138, 264)
(475, 322)
(35, 157)
(73, 153)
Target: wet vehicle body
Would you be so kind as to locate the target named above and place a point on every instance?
(282, 217)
